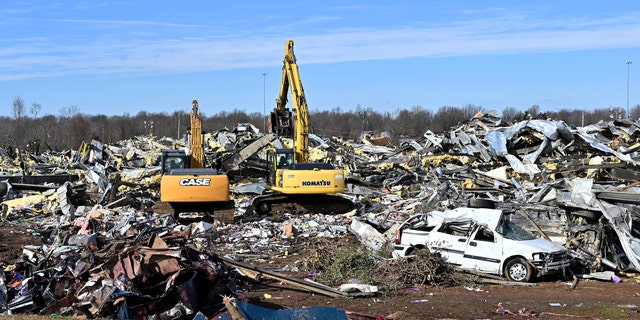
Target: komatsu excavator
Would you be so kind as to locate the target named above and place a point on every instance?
(186, 185)
(297, 185)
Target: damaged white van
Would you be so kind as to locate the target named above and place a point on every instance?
(483, 240)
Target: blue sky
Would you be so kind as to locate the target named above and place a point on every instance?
(115, 57)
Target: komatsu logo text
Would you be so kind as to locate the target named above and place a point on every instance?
(319, 183)
(195, 182)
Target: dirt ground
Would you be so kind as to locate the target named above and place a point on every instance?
(591, 299)
(557, 297)
(12, 237)
(549, 299)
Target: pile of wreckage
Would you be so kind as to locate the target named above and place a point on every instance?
(105, 253)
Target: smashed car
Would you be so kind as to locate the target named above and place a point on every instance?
(492, 241)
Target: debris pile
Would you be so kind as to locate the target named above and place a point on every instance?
(103, 251)
(578, 183)
(108, 263)
(422, 268)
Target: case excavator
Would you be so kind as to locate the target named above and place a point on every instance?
(295, 184)
(186, 184)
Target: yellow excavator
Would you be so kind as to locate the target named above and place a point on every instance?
(186, 185)
(295, 184)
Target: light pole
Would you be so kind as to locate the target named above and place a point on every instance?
(363, 115)
(264, 101)
(628, 65)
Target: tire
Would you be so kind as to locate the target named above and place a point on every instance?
(414, 249)
(409, 251)
(519, 270)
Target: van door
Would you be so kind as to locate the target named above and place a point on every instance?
(484, 251)
(450, 240)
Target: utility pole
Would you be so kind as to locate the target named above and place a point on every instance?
(363, 115)
(264, 101)
(628, 65)
(179, 118)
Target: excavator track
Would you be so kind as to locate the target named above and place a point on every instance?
(300, 204)
(221, 211)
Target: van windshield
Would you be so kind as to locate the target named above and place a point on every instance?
(514, 231)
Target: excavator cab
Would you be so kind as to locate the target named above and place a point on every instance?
(285, 158)
(278, 159)
(173, 159)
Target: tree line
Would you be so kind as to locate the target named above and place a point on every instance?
(27, 129)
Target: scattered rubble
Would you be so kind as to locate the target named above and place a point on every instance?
(423, 268)
(103, 251)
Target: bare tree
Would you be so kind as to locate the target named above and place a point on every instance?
(471, 110)
(635, 112)
(18, 107)
(35, 109)
(70, 129)
(510, 114)
(70, 111)
(533, 111)
(447, 117)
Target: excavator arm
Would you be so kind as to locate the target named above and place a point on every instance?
(197, 152)
(281, 116)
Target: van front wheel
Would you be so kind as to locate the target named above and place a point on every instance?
(518, 269)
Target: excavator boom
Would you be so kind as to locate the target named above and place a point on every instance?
(291, 82)
(197, 152)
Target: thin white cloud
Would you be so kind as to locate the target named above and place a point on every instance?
(309, 21)
(138, 53)
(126, 23)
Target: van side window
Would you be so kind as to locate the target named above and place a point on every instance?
(484, 234)
(456, 228)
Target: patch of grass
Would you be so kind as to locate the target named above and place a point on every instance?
(345, 264)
